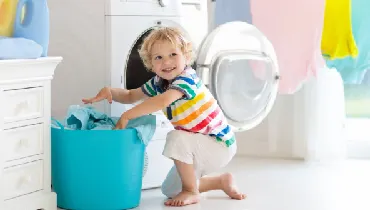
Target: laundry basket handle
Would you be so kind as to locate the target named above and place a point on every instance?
(58, 123)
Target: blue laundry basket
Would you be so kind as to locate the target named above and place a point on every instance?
(97, 169)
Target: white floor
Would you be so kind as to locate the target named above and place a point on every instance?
(286, 185)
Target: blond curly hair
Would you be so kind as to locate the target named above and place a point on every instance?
(170, 34)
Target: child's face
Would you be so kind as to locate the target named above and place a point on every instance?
(168, 61)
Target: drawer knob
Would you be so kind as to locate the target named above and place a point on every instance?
(23, 143)
(23, 106)
(24, 181)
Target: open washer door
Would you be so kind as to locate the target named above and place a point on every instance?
(239, 66)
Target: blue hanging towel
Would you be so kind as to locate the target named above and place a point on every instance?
(232, 10)
(351, 69)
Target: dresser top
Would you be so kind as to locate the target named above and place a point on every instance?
(16, 70)
(30, 61)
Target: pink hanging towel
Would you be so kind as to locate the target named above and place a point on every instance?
(294, 27)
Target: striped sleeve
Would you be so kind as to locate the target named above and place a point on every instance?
(185, 84)
(149, 88)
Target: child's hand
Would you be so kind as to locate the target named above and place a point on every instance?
(104, 93)
(121, 124)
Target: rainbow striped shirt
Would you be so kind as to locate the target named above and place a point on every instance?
(197, 111)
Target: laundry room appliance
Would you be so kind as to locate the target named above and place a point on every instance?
(236, 61)
(127, 24)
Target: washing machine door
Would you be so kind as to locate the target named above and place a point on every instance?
(239, 66)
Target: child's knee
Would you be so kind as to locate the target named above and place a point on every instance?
(166, 191)
(171, 187)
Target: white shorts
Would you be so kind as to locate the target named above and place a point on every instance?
(203, 151)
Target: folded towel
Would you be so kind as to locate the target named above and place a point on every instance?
(19, 48)
(87, 118)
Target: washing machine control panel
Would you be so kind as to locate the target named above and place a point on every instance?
(142, 8)
(164, 3)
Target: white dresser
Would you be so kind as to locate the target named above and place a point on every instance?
(25, 107)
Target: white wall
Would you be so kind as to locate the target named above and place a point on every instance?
(275, 135)
(81, 73)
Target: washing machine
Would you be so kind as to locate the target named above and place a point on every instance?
(127, 24)
(235, 61)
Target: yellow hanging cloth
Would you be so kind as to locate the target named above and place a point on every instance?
(337, 37)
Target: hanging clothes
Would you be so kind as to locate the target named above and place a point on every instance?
(337, 38)
(352, 69)
(235, 10)
(295, 35)
(366, 78)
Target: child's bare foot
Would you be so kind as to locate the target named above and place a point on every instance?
(228, 186)
(183, 198)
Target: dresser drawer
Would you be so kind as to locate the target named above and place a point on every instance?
(23, 179)
(23, 141)
(23, 104)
